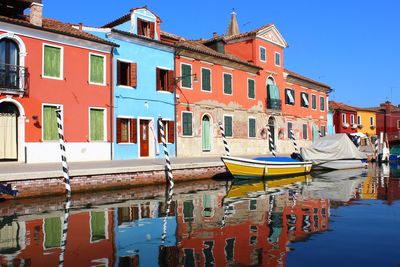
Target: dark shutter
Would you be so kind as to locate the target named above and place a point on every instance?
(171, 81)
(152, 29)
(119, 130)
(133, 75)
(139, 27)
(133, 130)
(171, 132)
(159, 131)
(158, 79)
(118, 72)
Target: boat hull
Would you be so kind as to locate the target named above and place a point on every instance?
(248, 168)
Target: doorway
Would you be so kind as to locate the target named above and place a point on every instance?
(206, 134)
(144, 138)
(9, 114)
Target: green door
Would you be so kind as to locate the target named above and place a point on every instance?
(315, 132)
(205, 134)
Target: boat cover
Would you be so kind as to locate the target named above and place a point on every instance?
(332, 147)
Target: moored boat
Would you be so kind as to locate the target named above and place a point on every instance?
(265, 166)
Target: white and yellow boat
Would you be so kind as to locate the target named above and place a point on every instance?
(265, 166)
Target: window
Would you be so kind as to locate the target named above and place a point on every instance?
(289, 96)
(371, 121)
(304, 100)
(186, 74)
(169, 131)
(313, 101)
(277, 59)
(322, 103)
(145, 28)
(126, 74)
(251, 89)
(97, 226)
(164, 80)
(50, 129)
(398, 124)
(289, 129)
(305, 132)
(228, 126)
(252, 127)
(97, 124)
(351, 119)
(188, 211)
(343, 118)
(187, 129)
(52, 62)
(323, 130)
(358, 119)
(52, 232)
(227, 84)
(97, 69)
(263, 54)
(126, 130)
(9, 61)
(205, 79)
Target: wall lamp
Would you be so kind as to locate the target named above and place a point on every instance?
(178, 79)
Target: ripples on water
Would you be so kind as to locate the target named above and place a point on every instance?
(340, 218)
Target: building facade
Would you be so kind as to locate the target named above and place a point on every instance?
(344, 117)
(388, 121)
(44, 65)
(143, 85)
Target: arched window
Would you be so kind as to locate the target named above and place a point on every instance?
(9, 63)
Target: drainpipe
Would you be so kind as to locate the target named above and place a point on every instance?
(175, 103)
(112, 103)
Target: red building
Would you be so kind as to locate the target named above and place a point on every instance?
(46, 64)
(388, 121)
(344, 117)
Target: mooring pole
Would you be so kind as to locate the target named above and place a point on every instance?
(294, 141)
(221, 127)
(271, 141)
(64, 230)
(62, 151)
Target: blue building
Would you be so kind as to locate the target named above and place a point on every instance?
(143, 85)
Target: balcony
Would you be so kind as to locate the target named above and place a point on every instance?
(13, 79)
(274, 104)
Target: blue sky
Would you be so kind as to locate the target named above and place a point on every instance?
(352, 45)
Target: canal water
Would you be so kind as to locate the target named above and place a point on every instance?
(339, 218)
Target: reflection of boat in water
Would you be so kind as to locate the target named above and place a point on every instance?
(338, 185)
(265, 166)
(334, 152)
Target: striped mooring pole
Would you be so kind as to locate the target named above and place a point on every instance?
(224, 139)
(62, 150)
(376, 146)
(170, 177)
(64, 230)
(320, 133)
(294, 141)
(271, 141)
(169, 195)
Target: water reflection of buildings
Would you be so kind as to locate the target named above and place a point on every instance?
(36, 240)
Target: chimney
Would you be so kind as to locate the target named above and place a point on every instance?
(36, 14)
(80, 26)
(214, 35)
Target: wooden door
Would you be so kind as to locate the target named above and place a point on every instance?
(144, 138)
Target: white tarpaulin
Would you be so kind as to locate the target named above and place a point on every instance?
(332, 147)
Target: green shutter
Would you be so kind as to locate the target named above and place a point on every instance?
(187, 124)
(262, 53)
(186, 76)
(277, 59)
(207, 205)
(188, 209)
(97, 225)
(96, 125)
(250, 88)
(52, 61)
(273, 92)
(227, 84)
(205, 137)
(228, 126)
(322, 103)
(96, 69)
(252, 127)
(314, 101)
(205, 79)
(50, 130)
(52, 232)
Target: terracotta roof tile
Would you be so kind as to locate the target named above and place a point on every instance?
(198, 46)
(247, 34)
(171, 35)
(333, 105)
(126, 18)
(56, 26)
(294, 74)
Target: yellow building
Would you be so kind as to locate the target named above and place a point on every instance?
(366, 121)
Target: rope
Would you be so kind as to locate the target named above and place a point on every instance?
(271, 141)
(294, 141)
(224, 139)
(62, 151)
(64, 230)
